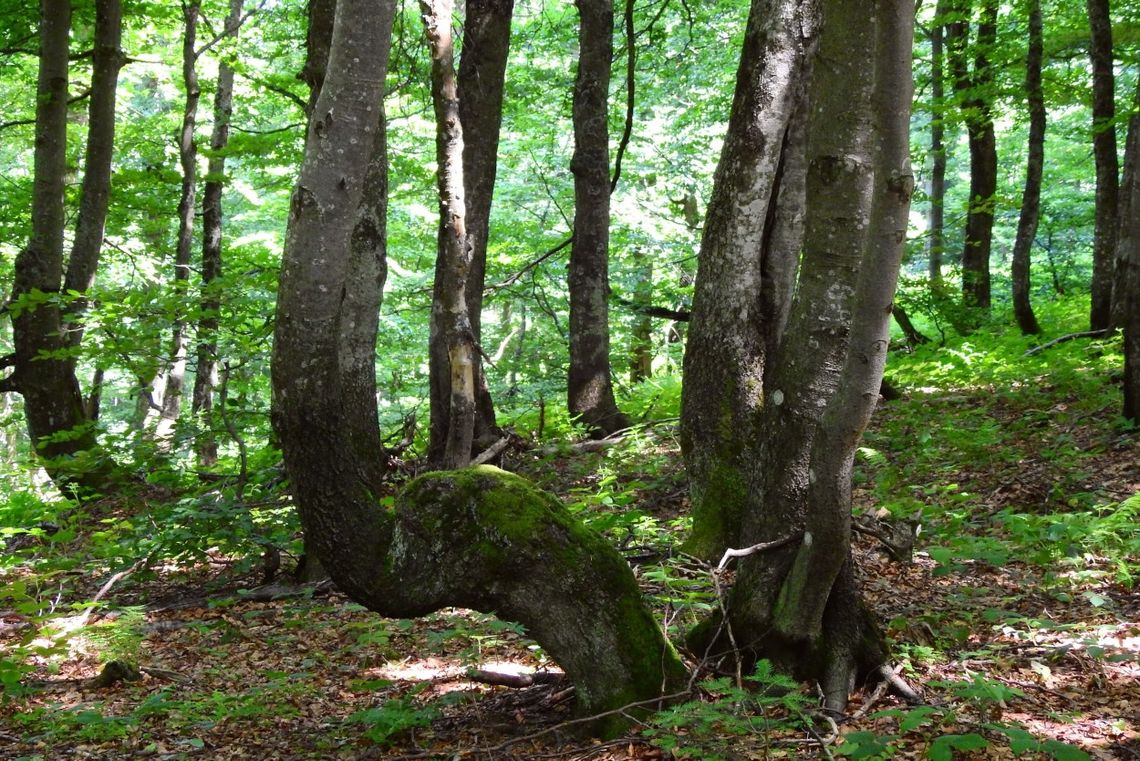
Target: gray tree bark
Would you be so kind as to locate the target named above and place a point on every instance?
(60, 429)
(936, 220)
(797, 603)
(1107, 166)
(745, 271)
(476, 538)
(206, 372)
(482, 71)
(590, 393)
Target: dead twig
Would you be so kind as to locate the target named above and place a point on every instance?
(761, 547)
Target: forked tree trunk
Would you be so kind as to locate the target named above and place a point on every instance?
(206, 373)
(590, 392)
(58, 424)
(1107, 167)
(797, 602)
(451, 322)
(183, 247)
(476, 538)
(482, 70)
(745, 272)
(1035, 165)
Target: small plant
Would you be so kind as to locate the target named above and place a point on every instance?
(388, 721)
(120, 638)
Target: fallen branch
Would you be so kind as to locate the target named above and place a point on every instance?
(517, 681)
(1069, 337)
(762, 547)
(899, 686)
(492, 451)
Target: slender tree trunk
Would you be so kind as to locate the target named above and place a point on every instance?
(975, 88)
(1127, 274)
(318, 39)
(936, 242)
(738, 313)
(482, 71)
(450, 318)
(206, 373)
(183, 251)
(1031, 198)
(641, 337)
(590, 387)
(1107, 168)
(61, 431)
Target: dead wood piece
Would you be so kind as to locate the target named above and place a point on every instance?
(761, 547)
(517, 681)
(1068, 337)
(113, 672)
(900, 687)
(167, 674)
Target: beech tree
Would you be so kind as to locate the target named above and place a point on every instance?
(590, 391)
(474, 538)
(43, 366)
(974, 88)
(1034, 167)
(1107, 164)
(803, 393)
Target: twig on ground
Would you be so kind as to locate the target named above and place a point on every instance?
(517, 681)
(1067, 337)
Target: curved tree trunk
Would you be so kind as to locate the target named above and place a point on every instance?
(1031, 198)
(58, 424)
(738, 313)
(206, 372)
(1107, 167)
(797, 602)
(590, 393)
(477, 538)
(482, 70)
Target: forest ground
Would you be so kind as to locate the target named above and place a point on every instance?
(1018, 616)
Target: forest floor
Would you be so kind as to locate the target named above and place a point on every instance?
(1018, 618)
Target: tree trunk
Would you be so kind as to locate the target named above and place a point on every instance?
(451, 322)
(590, 393)
(1104, 151)
(1127, 288)
(797, 602)
(476, 538)
(976, 90)
(188, 158)
(206, 373)
(936, 240)
(1127, 186)
(482, 71)
(1031, 198)
(58, 425)
(731, 330)
(641, 337)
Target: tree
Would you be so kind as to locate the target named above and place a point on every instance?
(936, 243)
(43, 367)
(479, 85)
(810, 397)
(589, 384)
(975, 89)
(475, 538)
(187, 208)
(1107, 167)
(451, 321)
(1035, 165)
(207, 350)
(1127, 276)
(746, 269)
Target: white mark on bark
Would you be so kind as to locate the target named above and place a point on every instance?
(777, 397)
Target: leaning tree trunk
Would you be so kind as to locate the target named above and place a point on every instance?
(183, 250)
(206, 372)
(450, 321)
(482, 70)
(42, 371)
(796, 601)
(746, 270)
(976, 90)
(476, 538)
(590, 392)
(1107, 168)
(1031, 198)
